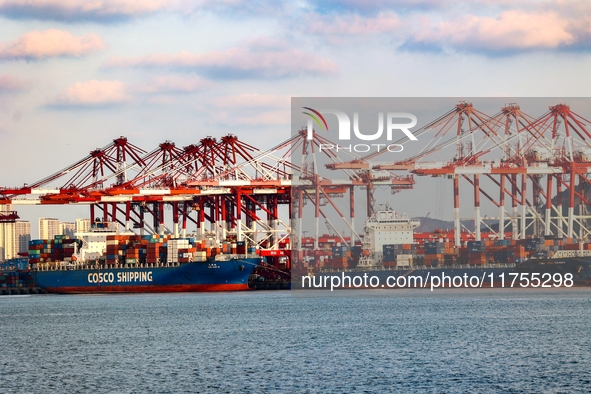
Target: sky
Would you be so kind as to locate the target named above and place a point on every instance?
(76, 74)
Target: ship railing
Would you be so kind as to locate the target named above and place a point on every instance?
(91, 267)
(228, 257)
(561, 254)
(74, 267)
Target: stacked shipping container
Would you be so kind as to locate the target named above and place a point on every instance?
(61, 248)
(136, 249)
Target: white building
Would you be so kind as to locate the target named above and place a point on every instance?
(7, 247)
(48, 228)
(82, 225)
(22, 232)
(14, 236)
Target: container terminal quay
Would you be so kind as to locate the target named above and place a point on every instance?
(223, 215)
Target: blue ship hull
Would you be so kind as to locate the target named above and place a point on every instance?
(231, 275)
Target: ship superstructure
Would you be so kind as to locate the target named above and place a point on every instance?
(384, 227)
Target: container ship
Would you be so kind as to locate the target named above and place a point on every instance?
(104, 260)
(390, 249)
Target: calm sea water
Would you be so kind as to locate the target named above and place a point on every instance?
(397, 341)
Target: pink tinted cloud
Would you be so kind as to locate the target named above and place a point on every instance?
(11, 84)
(512, 30)
(80, 9)
(257, 59)
(37, 45)
(93, 93)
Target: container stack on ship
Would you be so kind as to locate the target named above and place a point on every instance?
(104, 260)
(387, 253)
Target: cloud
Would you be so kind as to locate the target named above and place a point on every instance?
(92, 94)
(341, 29)
(253, 100)
(512, 31)
(108, 11)
(489, 27)
(365, 7)
(11, 84)
(157, 90)
(172, 84)
(80, 10)
(37, 45)
(546, 25)
(251, 109)
(256, 59)
(244, 7)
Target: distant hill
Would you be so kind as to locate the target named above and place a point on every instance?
(429, 225)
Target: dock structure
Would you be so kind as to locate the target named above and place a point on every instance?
(534, 170)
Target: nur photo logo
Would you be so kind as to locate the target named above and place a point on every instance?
(392, 121)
